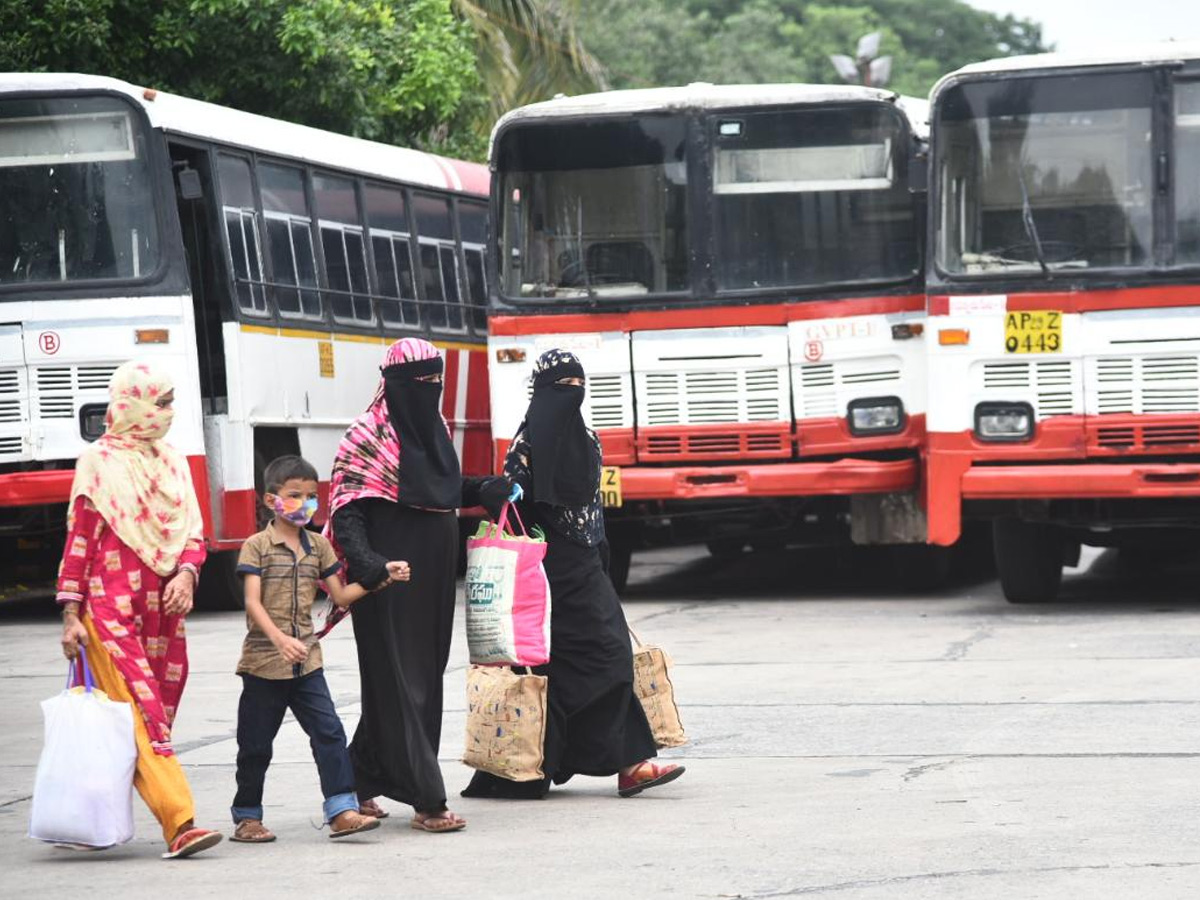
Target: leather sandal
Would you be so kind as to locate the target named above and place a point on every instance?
(252, 831)
(373, 809)
(646, 775)
(438, 823)
(351, 822)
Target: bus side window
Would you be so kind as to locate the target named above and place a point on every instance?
(439, 266)
(345, 254)
(387, 217)
(472, 227)
(241, 233)
(289, 239)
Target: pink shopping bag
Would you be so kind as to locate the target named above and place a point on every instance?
(508, 596)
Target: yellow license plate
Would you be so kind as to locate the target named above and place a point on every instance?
(1033, 331)
(610, 486)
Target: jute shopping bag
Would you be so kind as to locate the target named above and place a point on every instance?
(652, 684)
(506, 723)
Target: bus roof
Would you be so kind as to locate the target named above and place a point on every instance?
(703, 96)
(1131, 55)
(208, 121)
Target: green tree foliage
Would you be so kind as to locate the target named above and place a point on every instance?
(657, 42)
(529, 50)
(393, 70)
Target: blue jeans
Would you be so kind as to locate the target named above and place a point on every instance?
(260, 713)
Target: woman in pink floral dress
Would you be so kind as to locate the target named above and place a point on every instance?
(130, 566)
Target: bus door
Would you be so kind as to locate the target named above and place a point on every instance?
(195, 196)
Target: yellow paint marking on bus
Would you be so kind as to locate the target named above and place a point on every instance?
(456, 345)
(351, 338)
(304, 333)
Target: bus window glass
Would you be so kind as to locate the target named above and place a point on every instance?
(385, 208)
(433, 217)
(476, 287)
(241, 231)
(454, 312)
(472, 226)
(472, 222)
(431, 281)
(1187, 173)
(394, 274)
(342, 243)
(77, 200)
(594, 209)
(289, 240)
(1052, 171)
(387, 217)
(810, 197)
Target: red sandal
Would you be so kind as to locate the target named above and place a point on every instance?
(647, 775)
(191, 842)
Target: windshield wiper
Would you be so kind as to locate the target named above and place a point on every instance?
(1027, 220)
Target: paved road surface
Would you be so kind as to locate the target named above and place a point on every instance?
(848, 742)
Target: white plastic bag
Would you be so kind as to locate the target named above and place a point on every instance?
(83, 791)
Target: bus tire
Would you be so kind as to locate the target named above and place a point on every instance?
(220, 585)
(1029, 560)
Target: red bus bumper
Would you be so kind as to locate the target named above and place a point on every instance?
(36, 488)
(1063, 463)
(795, 479)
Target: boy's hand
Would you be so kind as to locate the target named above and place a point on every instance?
(398, 571)
(292, 649)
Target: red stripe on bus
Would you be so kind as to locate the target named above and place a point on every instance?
(1156, 297)
(696, 317)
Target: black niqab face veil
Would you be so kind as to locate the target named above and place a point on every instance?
(566, 466)
(429, 473)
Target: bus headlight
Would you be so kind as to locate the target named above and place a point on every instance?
(91, 420)
(1000, 422)
(875, 415)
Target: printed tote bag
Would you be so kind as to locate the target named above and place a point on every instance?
(508, 596)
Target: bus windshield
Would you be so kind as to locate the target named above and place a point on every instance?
(811, 197)
(594, 209)
(1046, 173)
(76, 197)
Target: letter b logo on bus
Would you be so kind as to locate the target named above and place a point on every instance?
(49, 342)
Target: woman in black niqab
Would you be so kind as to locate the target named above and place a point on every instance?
(396, 485)
(595, 724)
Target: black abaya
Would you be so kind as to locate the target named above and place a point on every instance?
(403, 634)
(595, 725)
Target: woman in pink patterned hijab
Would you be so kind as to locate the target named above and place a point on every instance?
(395, 487)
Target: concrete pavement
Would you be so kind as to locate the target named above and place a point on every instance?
(846, 742)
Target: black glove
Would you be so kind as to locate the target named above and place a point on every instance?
(493, 492)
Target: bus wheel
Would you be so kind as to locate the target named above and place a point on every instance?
(220, 586)
(726, 548)
(920, 567)
(620, 556)
(1029, 560)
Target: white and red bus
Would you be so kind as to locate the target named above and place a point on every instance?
(1064, 302)
(265, 263)
(739, 269)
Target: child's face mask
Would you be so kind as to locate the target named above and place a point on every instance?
(295, 510)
